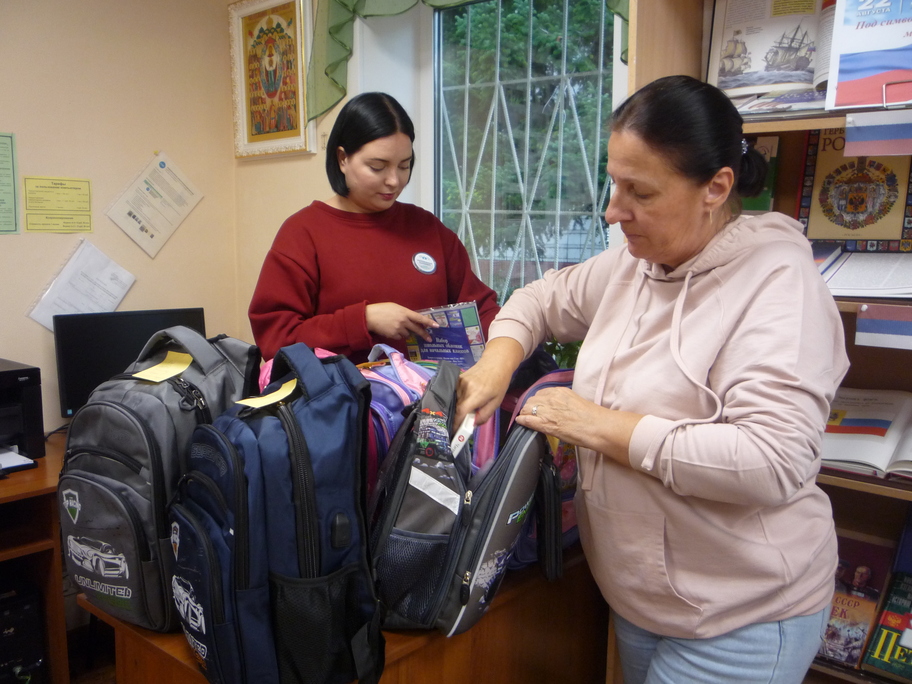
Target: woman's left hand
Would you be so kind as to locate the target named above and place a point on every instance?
(562, 413)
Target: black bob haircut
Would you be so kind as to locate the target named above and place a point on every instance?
(363, 119)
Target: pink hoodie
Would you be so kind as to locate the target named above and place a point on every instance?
(733, 357)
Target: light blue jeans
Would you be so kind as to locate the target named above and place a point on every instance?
(764, 653)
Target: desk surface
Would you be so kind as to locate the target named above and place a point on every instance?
(23, 484)
(140, 648)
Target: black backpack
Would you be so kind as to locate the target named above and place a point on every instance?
(124, 454)
(271, 575)
(441, 534)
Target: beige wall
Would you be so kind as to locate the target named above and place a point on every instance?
(91, 89)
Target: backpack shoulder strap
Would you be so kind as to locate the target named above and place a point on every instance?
(195, 344)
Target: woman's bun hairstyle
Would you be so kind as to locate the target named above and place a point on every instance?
(752, 174)
(695, 126)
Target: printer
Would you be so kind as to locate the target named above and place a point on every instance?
(21, 414)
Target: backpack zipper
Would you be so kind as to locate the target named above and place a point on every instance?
(192, 396)
(74, 453)
(238, 529)
(189, 392)
(155, 459)
(302, 482)
(241, 514)
(215, 580)
(452, 558)
(136, 523)
(496, 475)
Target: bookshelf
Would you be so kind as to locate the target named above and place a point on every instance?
(665, 38)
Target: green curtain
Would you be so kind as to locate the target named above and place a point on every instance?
(327, 73)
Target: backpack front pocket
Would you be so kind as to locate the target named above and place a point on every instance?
(201, 574)
(106, 538)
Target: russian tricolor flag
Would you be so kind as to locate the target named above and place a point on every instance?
(859, 426)
(878, 133)
(884, 325)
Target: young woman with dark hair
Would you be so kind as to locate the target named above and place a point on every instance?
(711, 351)
(353, 271)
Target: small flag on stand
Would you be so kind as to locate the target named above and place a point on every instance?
(879, 133)
(884, 325)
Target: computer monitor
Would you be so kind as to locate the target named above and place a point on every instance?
(94, 347)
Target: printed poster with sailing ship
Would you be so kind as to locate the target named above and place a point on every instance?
(864, 201)
(762, 45)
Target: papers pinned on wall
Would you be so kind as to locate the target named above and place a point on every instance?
(155, 204)
(89, 282)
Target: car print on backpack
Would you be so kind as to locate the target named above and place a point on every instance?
(97, 556)
(187, 605)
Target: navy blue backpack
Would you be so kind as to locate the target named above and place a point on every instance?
(272, 580)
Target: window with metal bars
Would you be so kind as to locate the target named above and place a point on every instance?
(523, 94)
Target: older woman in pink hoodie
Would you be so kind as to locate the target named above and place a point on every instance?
(711, 350)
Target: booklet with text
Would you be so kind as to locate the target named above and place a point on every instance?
(459, 339)
(869, 432)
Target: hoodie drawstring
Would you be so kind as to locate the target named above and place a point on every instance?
(675, 348)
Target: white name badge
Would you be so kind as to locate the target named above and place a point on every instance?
(424, 262)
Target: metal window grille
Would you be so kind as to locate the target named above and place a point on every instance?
(523, 95)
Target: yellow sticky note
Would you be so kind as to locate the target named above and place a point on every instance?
(272, 397)
(173, 365)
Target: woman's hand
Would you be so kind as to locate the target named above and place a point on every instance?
(482, 387)
(397, 322)
(562, 413)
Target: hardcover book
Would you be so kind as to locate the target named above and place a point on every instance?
(868, 433)
(889, 651)
(861, 578)
(459, 339)
(863, 201)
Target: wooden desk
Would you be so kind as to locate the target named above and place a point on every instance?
(30, 546)
(535, 631)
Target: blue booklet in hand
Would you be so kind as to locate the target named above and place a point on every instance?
(459, 339)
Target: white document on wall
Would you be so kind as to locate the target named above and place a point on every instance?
(155, 204)
(89, 282)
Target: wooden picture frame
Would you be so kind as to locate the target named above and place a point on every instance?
(270, 41)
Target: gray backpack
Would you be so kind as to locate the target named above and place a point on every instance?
(126, 449)
(442, 532)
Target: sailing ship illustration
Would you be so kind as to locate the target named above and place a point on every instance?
(792, 52)
(735, 57)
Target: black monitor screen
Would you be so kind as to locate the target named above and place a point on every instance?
(94, 347)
